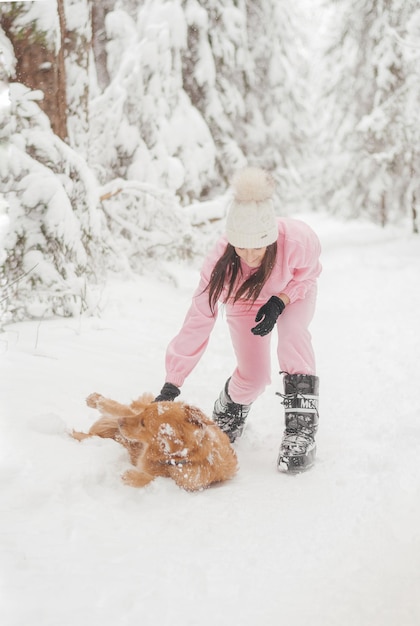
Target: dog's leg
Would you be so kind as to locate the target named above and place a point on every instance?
(190, 478)
(108, 407)
(134, 448)
(107, 426)
(134, 478)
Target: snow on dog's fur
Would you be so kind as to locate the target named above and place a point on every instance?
(169, 439)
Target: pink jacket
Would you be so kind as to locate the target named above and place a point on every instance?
(295, 271)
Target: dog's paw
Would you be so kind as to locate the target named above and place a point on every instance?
(78, 435)
(94, 400)
(134, 478)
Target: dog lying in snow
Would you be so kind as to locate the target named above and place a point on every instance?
(170, 439)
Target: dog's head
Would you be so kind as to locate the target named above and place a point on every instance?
(172, 428)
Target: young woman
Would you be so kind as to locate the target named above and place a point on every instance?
(264, 270)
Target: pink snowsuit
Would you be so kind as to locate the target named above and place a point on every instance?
(295, 272)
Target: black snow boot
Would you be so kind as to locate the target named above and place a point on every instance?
(228, 415)
(300, 399)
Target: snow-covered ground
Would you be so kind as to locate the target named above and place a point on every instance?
(338, 546)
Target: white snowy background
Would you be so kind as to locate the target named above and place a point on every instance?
(116, 222)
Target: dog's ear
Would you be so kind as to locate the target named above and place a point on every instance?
(195, 416)
(131, 426)
(141, 403)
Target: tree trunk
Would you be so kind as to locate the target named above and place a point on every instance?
(414, 214)
(39, 66)
(100, 8)
(383, 215)
(78, 48)
(61, 71)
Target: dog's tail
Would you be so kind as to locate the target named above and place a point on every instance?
(106, 427)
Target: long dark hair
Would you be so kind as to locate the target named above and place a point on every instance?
(226, 272)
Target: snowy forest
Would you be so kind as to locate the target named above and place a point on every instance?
(122, 122)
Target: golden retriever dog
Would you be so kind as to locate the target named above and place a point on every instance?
(169, 439)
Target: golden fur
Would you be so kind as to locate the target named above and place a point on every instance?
(169, 439)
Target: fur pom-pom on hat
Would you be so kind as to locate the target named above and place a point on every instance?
(253, 184)
(251, 220)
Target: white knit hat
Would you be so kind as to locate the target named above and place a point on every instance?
(251, 220)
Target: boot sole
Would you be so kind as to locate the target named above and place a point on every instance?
(296, 464)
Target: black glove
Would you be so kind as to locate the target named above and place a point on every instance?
(168, 393)
(268, 313)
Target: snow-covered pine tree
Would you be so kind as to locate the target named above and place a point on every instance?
(345, 93)
(7, 67)
(52, 218)
(371, 140)
(245, 69)
(279, 116)
(156, 135)
(215, 65)
(48, 248)
(76, 30)
(229, 81)
(389, 137)
(411, 51)
(57, 220)
(148, 145)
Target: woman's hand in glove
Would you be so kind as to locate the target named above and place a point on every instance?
(168, 393)
(267, 316)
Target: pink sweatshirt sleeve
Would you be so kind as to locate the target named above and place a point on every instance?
(301, 254)
(187, 348)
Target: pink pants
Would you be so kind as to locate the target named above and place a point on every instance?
(294, 347)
